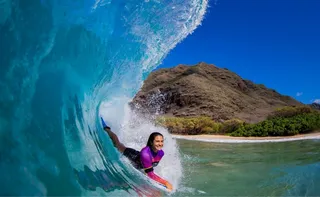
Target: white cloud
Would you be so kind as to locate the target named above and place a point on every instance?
(299, 93)
(317, 101)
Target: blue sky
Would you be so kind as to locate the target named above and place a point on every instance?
(272, 42)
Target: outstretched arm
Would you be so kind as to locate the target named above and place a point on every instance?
(146, 161)
(155, 177)
(113, 137)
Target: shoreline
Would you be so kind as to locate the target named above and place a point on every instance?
(230, 139)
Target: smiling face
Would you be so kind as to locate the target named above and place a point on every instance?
(157, 143)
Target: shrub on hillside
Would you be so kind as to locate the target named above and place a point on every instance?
(279, 126)
(284, 122)
(230, 126)
(189, 125)
(287, 112)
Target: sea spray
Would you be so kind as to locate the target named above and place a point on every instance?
(59, 61)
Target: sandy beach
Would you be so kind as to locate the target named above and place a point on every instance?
(229, 139)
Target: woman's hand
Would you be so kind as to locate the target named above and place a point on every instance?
(168, 186)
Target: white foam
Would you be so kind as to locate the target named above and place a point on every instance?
(133, 131)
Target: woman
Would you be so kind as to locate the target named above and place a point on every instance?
(147, 158)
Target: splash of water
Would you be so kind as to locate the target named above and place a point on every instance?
(64, 63)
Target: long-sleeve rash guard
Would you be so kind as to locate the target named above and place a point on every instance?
(150, 159)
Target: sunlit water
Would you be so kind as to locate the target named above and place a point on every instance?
(65, 63)
(266, 169)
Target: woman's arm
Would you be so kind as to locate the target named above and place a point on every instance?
(113, 137)
(152, 175)
(146, 160)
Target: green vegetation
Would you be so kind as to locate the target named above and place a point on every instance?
(189, 125)
(283, 122)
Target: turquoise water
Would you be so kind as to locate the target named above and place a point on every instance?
(62, 63)
(266, 169)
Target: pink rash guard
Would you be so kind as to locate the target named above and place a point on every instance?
(150, 159)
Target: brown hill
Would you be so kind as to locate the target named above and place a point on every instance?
(205, 89)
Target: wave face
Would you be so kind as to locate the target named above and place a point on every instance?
(63, 64)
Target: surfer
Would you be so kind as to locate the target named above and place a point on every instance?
(147, 158)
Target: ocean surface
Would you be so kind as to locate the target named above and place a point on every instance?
(250, 169)
(65, 63)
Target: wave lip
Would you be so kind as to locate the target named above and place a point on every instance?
(59, 61)
(228, 139)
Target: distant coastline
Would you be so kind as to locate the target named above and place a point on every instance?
(204, 99)
(230, 139)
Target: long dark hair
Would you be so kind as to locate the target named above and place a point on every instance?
(151, 138)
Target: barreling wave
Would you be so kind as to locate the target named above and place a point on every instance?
(64, 63)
